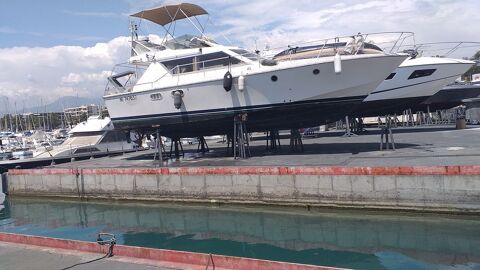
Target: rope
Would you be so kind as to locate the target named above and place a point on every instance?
(87, 262)
(100, 241)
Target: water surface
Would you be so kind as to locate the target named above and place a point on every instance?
(359, 240)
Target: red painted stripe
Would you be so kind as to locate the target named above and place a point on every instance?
(169, 256)
(439, 170)
(42, 171)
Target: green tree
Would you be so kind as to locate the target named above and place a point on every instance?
(473, 70)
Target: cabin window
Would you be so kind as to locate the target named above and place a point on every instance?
(114, 136)
(218, 59)
(156, 96)
(421, 73)
(86, 150)
(246, 54)
(181, 65)
(204, 61)
(390, 76)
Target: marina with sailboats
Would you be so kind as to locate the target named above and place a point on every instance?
(356, 151)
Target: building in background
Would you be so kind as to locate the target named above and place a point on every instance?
(75, 115)
(88, 110)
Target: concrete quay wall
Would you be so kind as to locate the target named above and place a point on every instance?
(436, 189)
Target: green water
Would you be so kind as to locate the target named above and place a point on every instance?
(343, 239)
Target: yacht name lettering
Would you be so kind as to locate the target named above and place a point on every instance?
(128, 98)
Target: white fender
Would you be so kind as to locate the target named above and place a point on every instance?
(241, 83)
(337, 63)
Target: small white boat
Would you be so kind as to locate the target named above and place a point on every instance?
(94, 136)
(22, 154)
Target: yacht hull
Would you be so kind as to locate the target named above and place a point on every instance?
(401, 93)
(293, 97)
(273, 117)
(449, 97)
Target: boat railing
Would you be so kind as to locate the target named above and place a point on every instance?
(123, 78)
(389, 42)
(456, 49)
(132, 73)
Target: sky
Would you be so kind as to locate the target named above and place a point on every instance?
(54, 48)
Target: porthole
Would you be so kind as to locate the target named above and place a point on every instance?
(316, 71)
(156, 96)
(274, 78)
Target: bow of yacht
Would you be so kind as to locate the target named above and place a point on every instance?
(412, 83)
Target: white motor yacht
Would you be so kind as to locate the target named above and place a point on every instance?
(413, 82)
(94, 136)
(191, 86)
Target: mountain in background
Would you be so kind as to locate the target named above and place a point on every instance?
(65, 102)
(56, 106)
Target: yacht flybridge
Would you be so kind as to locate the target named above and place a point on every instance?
(191, 86)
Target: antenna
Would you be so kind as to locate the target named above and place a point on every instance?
(133, 30)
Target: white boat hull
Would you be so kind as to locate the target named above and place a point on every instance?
(399, 94)
(298, 98)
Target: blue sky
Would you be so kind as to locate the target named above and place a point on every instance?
(48, 23)
(53, 48)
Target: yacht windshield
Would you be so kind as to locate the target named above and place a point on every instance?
(185, 42)
(246, 54)
(200, 62)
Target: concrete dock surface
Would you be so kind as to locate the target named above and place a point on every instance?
(19, 251)
(25, 257)
(415, 146)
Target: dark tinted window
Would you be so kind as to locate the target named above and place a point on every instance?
(391, 76)
(421, 73)
(114, 136)
(86, 150)
(246, 54)
(83, 134)
(203, 61)
(217, 59)
(181, 65)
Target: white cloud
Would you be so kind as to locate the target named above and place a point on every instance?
(49, 73)
(254, 24)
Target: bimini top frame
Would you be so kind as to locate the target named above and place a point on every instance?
(164, 15)
(169, 14)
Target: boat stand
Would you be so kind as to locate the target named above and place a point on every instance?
(178, 147)
(202, 145)
(348, 132)
(159, 148)
(357, 125)
(229, 143)
(386, 131)
(296, 143)
(241, 144)
(407, 118)
(273, 140)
